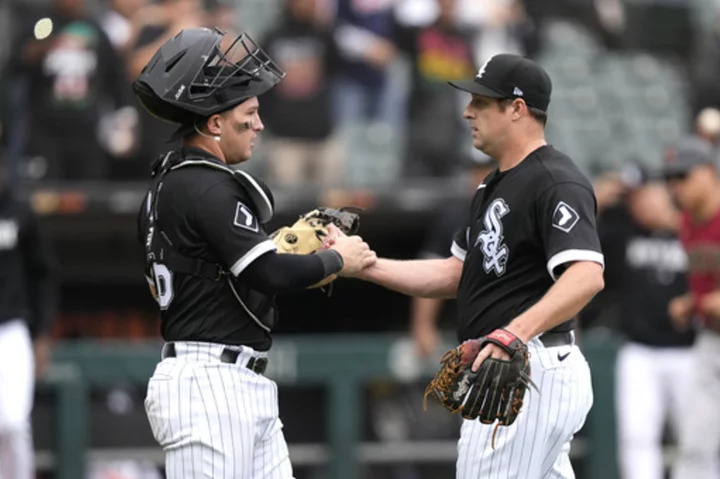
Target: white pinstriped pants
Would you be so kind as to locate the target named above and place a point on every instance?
(17, 383)
(537, 445)
(216, 420)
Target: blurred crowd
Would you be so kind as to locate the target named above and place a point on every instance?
(375, 69)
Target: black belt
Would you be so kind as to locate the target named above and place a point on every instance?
(554, 339)
(230, 356)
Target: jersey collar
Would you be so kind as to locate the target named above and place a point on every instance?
(189, 151)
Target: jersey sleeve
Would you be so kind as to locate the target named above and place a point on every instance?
(230, 226)
(459, 245)
(567, 222)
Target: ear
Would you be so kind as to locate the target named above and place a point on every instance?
(214, 125)
(518, 106)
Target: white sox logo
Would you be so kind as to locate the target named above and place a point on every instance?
(463, 388)
(490, 239)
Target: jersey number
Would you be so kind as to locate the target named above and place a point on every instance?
(162, 278)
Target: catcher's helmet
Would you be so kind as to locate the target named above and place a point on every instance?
(191, 76)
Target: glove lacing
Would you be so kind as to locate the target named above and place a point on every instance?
(452, 365)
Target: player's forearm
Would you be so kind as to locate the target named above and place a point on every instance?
(430, 278)
(568, 296)
(274, 273)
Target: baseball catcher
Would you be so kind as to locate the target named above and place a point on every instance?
(310, 233)
(495, 391)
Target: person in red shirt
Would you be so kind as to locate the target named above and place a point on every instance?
(691, 169)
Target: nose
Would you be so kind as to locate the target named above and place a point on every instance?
(466, 113)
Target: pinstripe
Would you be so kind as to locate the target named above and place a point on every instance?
(559, 406)
(488, 434)
(239, 425)
(233, 451)
(180, 399)
(168, 399)
(259, 439)
(469, 436)
(544, 430)
(251, 411)
(217, 410)
(234, 420)
(521, 423)
(252, 402)
(558, 433)
(493, 454)
(536, 424)
(510, 434)
(209, 428)
(514, 442)
(527, 426)
(190, 431)
(502, 433)
(568, 412)
(170, 466)
(245, 432)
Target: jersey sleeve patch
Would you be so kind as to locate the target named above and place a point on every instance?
(244, 218)
(564, 217)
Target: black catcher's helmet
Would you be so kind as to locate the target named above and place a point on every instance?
(191, 76)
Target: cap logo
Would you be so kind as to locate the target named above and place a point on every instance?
(481, 72)
(518, 92)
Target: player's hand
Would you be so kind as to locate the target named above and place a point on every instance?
(427, 339)
(333, 234)
(680, 310)
(489, 351)
(356, 254)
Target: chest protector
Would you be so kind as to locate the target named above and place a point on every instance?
(159, 249)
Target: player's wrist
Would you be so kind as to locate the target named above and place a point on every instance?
(332, 261)
(519, 332)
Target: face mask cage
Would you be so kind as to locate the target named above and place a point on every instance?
(242, 62)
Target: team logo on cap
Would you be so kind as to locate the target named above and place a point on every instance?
(518, 92)
(481, 71)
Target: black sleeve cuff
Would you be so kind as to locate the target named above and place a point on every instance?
(332, 262)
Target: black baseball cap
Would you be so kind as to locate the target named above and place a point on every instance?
(510, 76)
(687, 154)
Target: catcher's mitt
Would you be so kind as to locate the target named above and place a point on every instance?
(309, 233)
(495, 391)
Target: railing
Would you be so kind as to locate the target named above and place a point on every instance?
(342, 363)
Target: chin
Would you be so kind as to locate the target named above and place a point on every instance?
(480, 146)
(238, 160)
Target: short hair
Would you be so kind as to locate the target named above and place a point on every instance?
(537, 114)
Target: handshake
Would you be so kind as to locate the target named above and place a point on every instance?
(328, 228)
(356, 253)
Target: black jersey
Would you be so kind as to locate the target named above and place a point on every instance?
(201, 228)
(27, 287)
(645, 269)
(525, 224)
